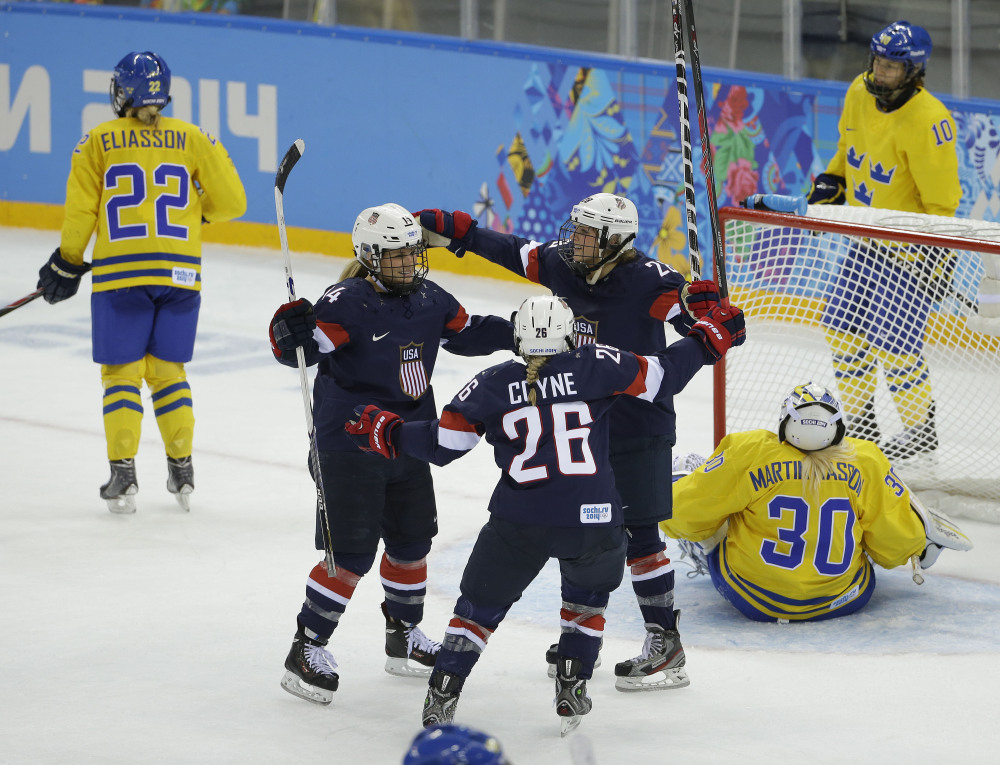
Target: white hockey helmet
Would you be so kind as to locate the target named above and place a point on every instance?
(380, 230)
(543, 326)
(811, 418)
(609, 215)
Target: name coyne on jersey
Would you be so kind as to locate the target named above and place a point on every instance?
(549, 387)
(595, 513)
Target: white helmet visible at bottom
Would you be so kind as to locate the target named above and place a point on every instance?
(543, 326)
(811, 418)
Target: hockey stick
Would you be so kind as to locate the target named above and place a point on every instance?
(718, 254)
(694, 252)
(294, 153)
(18, 303)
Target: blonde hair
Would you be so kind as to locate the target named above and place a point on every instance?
(352, 269)
(147, 115)
(630, 254)
(819, 464)
(534, 363)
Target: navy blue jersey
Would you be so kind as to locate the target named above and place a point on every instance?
(373, 347)
(554, 456)
(626, 310)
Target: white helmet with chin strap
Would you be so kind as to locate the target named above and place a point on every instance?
(612, 217)
(811, 418)
(543, 326)
(382, 229)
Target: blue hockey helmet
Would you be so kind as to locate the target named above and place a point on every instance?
(904, 42)
(140, 79)
(811, 418)
(451, 744)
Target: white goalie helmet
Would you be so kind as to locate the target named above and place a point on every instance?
(811, 418)
(380, 230)
(543, 326)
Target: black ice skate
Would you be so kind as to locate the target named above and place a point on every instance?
(310, 666)
(552, 657)
(572, 701)
(120, 490)
(913, 442)
(409, 652)
(865, 424)
(442, 698)
(180, 480)
(660, 666)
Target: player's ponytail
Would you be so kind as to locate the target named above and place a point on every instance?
(147, 115)
(819, 464)
(535, 363)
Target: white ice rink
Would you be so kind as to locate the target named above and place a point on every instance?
(160, 637)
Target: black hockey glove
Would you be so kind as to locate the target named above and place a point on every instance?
(719, 330)
(292, 326)
(373, 430)
(828, 189)
(59, 279)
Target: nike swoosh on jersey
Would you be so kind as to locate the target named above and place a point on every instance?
(376, 338)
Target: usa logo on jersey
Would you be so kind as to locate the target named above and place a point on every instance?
(412, 374)
(586, 330)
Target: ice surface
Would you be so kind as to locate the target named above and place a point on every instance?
(160, 637)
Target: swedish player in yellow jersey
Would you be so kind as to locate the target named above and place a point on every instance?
(896, 151)
(146, 183)
(788, 525)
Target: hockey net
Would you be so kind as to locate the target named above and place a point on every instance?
(795, 276)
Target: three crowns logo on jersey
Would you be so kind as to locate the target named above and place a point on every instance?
(586, 330)
(412, 374)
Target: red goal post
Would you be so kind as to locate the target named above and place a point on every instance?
(786, 271)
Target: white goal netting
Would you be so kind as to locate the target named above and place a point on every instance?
(883, 307)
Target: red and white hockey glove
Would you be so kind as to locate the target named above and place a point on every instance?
(373, 430)
(447, 229)
(720, 329)
(699, 297)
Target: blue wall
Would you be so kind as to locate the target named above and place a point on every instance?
(511, 133)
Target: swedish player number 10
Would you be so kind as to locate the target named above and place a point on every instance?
(943, 132)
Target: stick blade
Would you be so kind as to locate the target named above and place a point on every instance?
(295, 151)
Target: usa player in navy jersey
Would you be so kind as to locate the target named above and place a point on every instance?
(620, 298)
(375, 336)
(546, 420)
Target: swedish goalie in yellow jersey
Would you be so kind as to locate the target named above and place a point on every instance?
(144, 183)
(788, 524)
